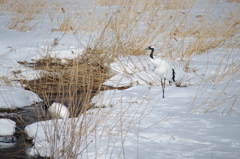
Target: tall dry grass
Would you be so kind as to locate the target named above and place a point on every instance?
(24, 14)
(116, 28)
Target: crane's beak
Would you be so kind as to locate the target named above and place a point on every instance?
(146, 48)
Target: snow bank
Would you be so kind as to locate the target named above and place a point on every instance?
(46, 130)
(142, 133)
(52, 138)
(59, 110)
(16, 97)
(7, 127)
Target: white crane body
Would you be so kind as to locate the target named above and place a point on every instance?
(162, 68)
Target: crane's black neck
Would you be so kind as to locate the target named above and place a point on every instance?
(151, 54)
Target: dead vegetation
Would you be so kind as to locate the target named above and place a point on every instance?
(25, 14)
(236, 1)
(74, 82)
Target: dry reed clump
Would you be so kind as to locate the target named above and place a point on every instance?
(73, 83)
(25, 13)
(206, 30)
(176, 4)
(116, 2)
(236, 1)
(165, 4)
(205, 34)
(109, 2)
(2, 1)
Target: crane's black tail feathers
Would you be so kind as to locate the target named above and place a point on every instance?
(173, 75)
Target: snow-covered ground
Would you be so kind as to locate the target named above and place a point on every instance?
(138, 123)
(6, 131)
(17, 97)
(10, 125)
(198, 120)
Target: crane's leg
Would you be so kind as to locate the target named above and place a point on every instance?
(163, 86)
(164, 82)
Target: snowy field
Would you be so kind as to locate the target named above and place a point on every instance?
(138, 123)
(198, 118)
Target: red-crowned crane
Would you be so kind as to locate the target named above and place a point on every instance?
(162, 68)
